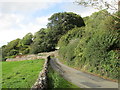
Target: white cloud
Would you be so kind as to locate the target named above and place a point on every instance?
(26, 6)
(12, 26)
(42, 20)
(8, 20)
(81, 10)
(23, 7)
(36, 0)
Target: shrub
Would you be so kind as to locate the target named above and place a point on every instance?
(97, 50)
(68, 43)
(72, 34)
(12, 52)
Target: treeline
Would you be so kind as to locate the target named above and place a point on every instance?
(94, 48)
(45, 39)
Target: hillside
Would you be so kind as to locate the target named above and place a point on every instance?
(94, 48)
(91, 43)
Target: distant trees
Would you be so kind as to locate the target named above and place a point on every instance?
(12, 45)
(17, 46)
(27, 39)
(10, 49)
(59, 23)
(39, 41)
(24, 43)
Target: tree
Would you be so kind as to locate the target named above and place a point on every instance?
(62, 22)
(10, 49)
(24, 43)
(27, 39)
(12, 52)
(46, 39)
(102, 4)
(39, 41)
(12, 45)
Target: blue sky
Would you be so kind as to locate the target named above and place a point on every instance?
(17, 18)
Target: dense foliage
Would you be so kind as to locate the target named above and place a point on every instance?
(10, 49)
(62, 22)
(97, 49)
(18, 46)
(24, 44)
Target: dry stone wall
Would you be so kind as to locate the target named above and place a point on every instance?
(32, 56)
(41, 82)
(25, 57)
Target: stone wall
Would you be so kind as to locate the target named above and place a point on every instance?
(26, 57)
(32, 56)
(41, 82)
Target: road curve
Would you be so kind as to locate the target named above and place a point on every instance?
(81, 79)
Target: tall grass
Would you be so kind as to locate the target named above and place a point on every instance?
(57, 81)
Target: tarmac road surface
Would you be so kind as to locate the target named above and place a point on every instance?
(81, 79)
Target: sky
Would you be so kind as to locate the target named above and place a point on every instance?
(19, 17)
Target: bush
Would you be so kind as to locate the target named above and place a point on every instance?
(12, 52)
(72, 34)
(68, 43)
(98, 48)
(68, 51)
(26, 51)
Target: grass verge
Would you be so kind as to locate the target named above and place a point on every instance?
(57, 81)
(20, 74)
(86, 71)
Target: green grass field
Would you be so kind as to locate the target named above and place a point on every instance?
(21, 74)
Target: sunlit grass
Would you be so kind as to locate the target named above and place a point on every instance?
(20, 74)
(57, 81)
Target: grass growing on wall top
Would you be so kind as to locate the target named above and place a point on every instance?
(21, 74)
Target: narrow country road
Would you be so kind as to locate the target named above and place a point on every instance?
(81, 79)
